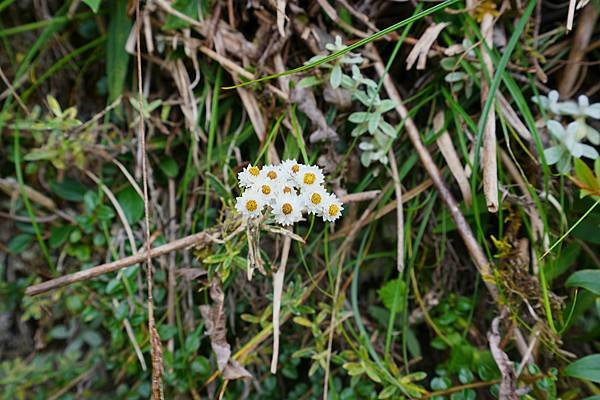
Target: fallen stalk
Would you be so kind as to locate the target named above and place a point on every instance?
(201, 237)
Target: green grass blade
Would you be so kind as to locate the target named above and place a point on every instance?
(117, 58)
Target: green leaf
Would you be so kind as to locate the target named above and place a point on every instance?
(587, 368)
(169, 167)
(117, 58)
(388, 392)
(388, 292)
(187, 7)
(585, 175)
(59, 235)
(588, 279)
(132, 204)
(19, 243)
(93, 4)
(69, 189)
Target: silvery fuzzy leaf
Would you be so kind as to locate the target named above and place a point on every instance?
(556, 129)
(353, 59)
(388, 129)
(374, 119)
(365, 159)
(382, 141)
(359, 130)
(592, 135)
(469, 88)
(553, 154)
(315, 59)
(448, 63)
(309, 81)
(347, 82)
(358, 117)
(370, 83)
(455, 76)
(362, 97)
(386, 105)
(356, 74)
(586, 151)
(366, 146)
(593, 111)
(335, 79)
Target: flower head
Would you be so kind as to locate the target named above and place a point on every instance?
(568, 145)
(287, 209)
(250, 204)
(313, 198)
(248, 176)
(331, 208)
(270, 173)
(309, 176)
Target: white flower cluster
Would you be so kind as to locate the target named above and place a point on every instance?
(568, 141)
(287, 191)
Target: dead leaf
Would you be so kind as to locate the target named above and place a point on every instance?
(190, 274)
(216, 329)
(308, 105)
(422, 47)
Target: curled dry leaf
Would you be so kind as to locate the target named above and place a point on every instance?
(216, 329)
(190, 274)
(308, 105)
(422, 47)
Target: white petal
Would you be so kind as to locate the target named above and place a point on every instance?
(592, 135)
(556, 129)
(593, 111)
(553, 154)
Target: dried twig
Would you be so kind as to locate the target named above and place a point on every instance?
(90, 273)
(508, 389)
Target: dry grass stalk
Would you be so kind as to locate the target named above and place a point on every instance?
(490, 168)
(585, 29)
(444, 143)
(277, 291)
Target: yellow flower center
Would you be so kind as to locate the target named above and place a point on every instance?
(266, 189)
(287, 189)
(254, 171)
(286, 208)
(309, 178)
(272, 175)
(315, 198)
(334, 209)
(251, 205)
(295, 168)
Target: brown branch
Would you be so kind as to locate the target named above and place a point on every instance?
(118, 264)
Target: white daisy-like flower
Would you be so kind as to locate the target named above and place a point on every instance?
(270, 173)
(248, 176)
(267, 188)
(250, 204)
(309, 176)
(313, 199)
(287, 209)
(332, 208)
(290, 169)
(286, 187)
